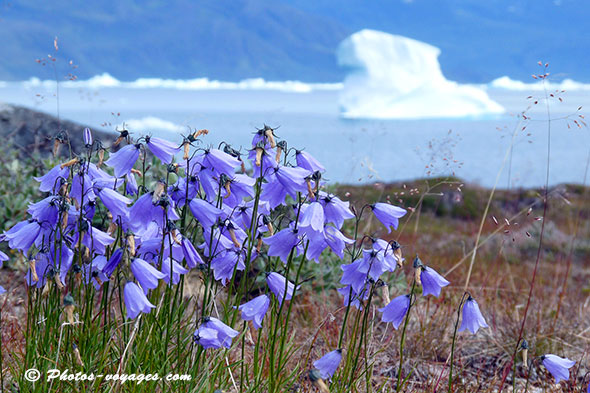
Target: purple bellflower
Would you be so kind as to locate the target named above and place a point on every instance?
(147, 275)
(115, 202)
(277, 284)
(281, 243)
(396, 310)
(557, 366)
(52, 180)
(191, 255)
(204, 212)
(136, 301)
(220, 162)
(224, 333)
(123, 160)
(472, 318)
(177, 270)
(207, 337)
(307, 161)
(432, 282)
(312, 219)
(328, 363)
(389, 215)
(161, 148)
(335, 210)
(255, 309)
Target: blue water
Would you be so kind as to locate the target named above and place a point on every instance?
(353, 151)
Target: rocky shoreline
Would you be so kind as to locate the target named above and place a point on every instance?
(32, 133)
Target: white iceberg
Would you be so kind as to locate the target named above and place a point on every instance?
(395, 77)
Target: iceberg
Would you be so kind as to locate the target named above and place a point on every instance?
(395, 77)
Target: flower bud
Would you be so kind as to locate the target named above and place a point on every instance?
(87, 137)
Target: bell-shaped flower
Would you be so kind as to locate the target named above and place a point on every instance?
(46, 210)
(205, 213)
(307, 161)
(396, 310)
(136, 301)
(161, 148)
(278, 284)
(113, 262)
(389, 215)
(146, 274)
(172, 268)
(354, 275)
(220, 162)
(432, 282)
(131, 185)
(123, 160)
(292, 179)
(207, 337)
(115, 202)
(191, 255)
(472, 318)
(224, 264)
(336, 240)
(335, 210)
(282, 242)
(558, 366)
(255, 309)
(328, 363)
(82, 188)
(52, 181)
(23, 235)
(225, 334)
(311, 218)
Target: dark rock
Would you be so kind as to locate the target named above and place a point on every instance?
(33, 132)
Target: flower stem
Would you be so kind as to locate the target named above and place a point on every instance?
(402, 340)
(453, 345)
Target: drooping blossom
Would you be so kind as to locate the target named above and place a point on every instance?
(53, 180)
(281, 243)
(223, 337)
(328, 363)
(558, 366)
(472, 318)
(396, 310)
(336, 211)
(204, 212)
(432, 282)
(277, 285)
(146, 274)
(307, 161)
(389, 215)
(255, 309)
(136, 301)
(161, 148)
(123, 160)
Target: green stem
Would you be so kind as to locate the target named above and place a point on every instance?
(402, 340)
(453, 345)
